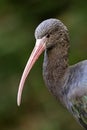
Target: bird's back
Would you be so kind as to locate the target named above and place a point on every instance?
(77, 81)
(77, 92)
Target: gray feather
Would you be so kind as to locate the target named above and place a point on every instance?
(77, 92)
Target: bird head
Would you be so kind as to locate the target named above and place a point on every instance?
(48, 33)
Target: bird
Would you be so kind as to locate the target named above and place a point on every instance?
(67, 83)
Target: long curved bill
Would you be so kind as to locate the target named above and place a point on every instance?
(38, 49)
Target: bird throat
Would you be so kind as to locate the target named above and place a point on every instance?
(55, 68)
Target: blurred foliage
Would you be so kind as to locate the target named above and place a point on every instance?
(18, 19)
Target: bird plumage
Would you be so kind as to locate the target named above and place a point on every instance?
(67, 83)
(77, 92)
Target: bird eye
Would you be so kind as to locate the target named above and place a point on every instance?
(47, 35)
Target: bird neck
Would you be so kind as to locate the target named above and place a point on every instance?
(55, 68)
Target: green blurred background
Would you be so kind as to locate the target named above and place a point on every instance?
(18, 19)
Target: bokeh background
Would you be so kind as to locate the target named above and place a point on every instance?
(18, 19)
